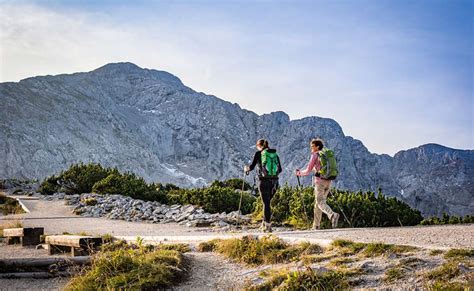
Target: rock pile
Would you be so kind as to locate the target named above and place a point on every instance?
(129, 209)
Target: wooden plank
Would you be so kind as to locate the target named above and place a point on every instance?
(12, 232)
(43, 262)
(73, 240)
(34, 275)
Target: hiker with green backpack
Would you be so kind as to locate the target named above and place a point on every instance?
(323, 164)
(269, 167)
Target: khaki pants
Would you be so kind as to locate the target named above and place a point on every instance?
(321, 192)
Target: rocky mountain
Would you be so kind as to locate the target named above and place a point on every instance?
(149, 122)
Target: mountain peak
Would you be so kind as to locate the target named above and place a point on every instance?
(119, 67)
(131, 69)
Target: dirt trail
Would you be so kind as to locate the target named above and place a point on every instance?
(57, 218)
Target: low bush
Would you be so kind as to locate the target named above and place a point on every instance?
(234, 183)
(295, 207)
(131, 267)
(213, 199)
(447, 219)
(9, 205)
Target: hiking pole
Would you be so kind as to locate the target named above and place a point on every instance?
(242, 192)
(342, 211)
(302, 199)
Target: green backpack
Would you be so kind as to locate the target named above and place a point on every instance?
(328, 164)
(269, 163)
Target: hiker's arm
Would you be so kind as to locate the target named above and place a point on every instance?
(279, 165)
(309, 168)
(255, 161)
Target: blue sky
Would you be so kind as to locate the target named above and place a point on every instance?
(394, 74)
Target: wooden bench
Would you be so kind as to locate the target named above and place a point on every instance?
(77, 245)
(27, 236)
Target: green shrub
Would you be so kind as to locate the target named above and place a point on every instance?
(49, 186)
(234, 183)
(80, 178)
(86, 178)
(446, 219)
(213, 199)
(128, 184)
(358, 209)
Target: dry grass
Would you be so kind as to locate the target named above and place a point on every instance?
(257, 251)
(9, 205)
(119, 266)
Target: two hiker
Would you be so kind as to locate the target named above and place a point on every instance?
(322, 162)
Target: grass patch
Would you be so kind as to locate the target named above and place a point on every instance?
(378, 249)
(9, 205)
(108, 238)
(340, 262)
(257, 251)
(182, 248)
(451, 286)
(347, 247)
(305, 280)
(459, 254)
(310, 259)
(208, 246)
(131, 267)
(410, 262)
(436, 252)
(445, 272)
(351, 272)
(393, 274)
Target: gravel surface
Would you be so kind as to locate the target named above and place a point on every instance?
(57, 218)
(210, 271)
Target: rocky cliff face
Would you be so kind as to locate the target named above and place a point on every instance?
(148, 122)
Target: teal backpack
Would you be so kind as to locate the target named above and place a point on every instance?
(328, 164)
(269, 163)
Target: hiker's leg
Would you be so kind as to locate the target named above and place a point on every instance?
(317, 212)
(323, 191)
(265, 192)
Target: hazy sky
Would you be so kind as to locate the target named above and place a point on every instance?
(394, 74)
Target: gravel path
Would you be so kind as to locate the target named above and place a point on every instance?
(57, 218)
(210, 271)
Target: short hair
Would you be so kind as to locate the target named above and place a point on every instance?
(318, 142)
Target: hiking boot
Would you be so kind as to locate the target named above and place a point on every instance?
(334, 219)
(268, 227)
(315, 227)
